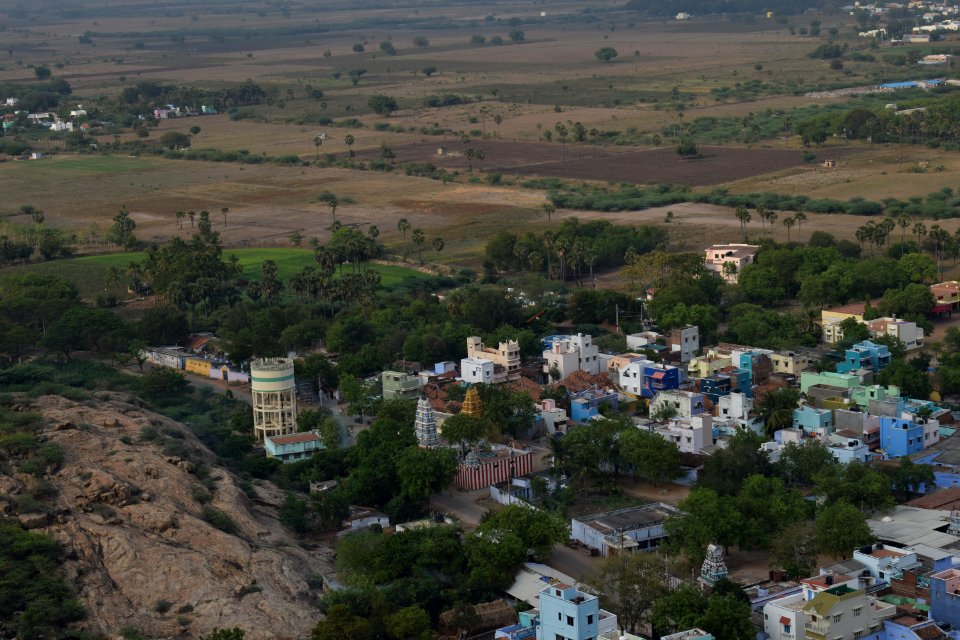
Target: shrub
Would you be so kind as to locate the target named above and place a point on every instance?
(219, 519)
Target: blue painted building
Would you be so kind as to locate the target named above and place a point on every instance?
(865, 355)
(585, 405)
(741, 380)
(566, 612)
(900, 437)
(813, 421)
(716, 386)
(945, 591)
(659, 377)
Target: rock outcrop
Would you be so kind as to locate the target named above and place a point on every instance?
(141, 553)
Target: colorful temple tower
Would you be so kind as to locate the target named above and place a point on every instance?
(426, 424)
(472, 406)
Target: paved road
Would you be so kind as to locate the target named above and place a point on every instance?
(467, 506)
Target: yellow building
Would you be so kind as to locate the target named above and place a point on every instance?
(707, 365)
(472, 406)
(198, 367)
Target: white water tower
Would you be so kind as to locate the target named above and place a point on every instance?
(274, 397)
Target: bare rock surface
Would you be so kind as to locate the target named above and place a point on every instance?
(131, 518)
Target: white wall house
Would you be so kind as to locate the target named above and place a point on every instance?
(476, 370)
(571, 353)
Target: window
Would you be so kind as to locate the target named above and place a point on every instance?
(836, 618)
(857, 612)
(590, 619)
(559, 616)
(559, 637)
(857, 634)
(786, 628)
(570, 621)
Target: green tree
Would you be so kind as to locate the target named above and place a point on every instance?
(857, 484)
(121, 233)
(687, 148)
(174, 140)
(409, 623)
(342, 623)
(83, 328)
(236, 633)
(799, 463)
(330, 199)
(517, 36)
(728, 618)
(423, 472)
(403, 225)
(680, 609)
(630, 585)
(421, 42)
(709, 518)
(467, 431)
(841, 527)
(387, 47)
(538, 529)
(437, 244)
(42, 72)
(650, 455)
(794, 550)
(419, 239)
(605, 54)
(776, 409)
(382, 105)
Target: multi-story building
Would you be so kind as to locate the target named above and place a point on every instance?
(945, 591)
(684, 341)
(865, 355)
(400, 386)
(709, 364)
(689, 435)
(848, 446)
(845, 613)
(682, 404)
(830, 319)
(566, 613)
(907, 434)
(736, 407)
(554, 418)
(813, 421)
(736, 255)
(793, 362)
(828, 379)
(567, 354)
(906, 332)
(477, 370)
(585, 405)
(507, 354)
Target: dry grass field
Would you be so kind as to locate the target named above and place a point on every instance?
(551, 77)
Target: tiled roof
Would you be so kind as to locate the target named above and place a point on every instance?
(293, 438)
(581, 381)
(945, 499)
(529, 386)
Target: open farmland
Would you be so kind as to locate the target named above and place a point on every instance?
(618, 164)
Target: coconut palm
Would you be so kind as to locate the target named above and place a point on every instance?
(419, 238)
(903, 222)
(549, 208)
(437, 244)
(224, 211)
(788, 223)
(180, 216)
(330, 199)
(403, 225)
(800, 217)
(743, 215)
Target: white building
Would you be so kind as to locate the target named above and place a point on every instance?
(507, 354)
(736, 255)
(885, 562)
(476, 370)
(685, 341)
(907, 332)
(685, 404)
(689, 435)
(170, 357)
(631, 376)
(555, 419)
(642, 339)
(625, 530)
(571, 353)
(736, 408)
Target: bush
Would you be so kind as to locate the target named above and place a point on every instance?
(162, 606)
(219, 519)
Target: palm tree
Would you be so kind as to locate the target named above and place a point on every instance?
(919, 230)
(762, 214)
(548, 240)
(113, 276)
(743, 215)
(938, 238)
(317, 141)
(591, 259)
(330, 199)
(772, 219)
(403, 225)
(562, 133)
(799, 217)
(349, 140)
(562, 246)
(180, 216)
(419, 238)
(903, 222)
(192, 215)
(497, 120)
(224, 211)
(788, 223)
(373, 232)
(549, 208)
(862, 234)
(437, 245)
(557, 454)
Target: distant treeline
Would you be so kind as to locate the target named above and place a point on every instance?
(939, 204)
(702, 7)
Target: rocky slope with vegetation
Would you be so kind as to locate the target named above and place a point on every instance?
(156, 537)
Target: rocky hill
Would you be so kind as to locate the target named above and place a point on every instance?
(168, 544)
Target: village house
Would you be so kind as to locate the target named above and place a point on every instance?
(293, 447)
(566, 354)
(507, 355)
(625, 530)
(736, 255)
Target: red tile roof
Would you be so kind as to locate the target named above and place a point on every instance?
(945, 499)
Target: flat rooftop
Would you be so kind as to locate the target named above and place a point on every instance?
(905, 526)
(630, 518)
